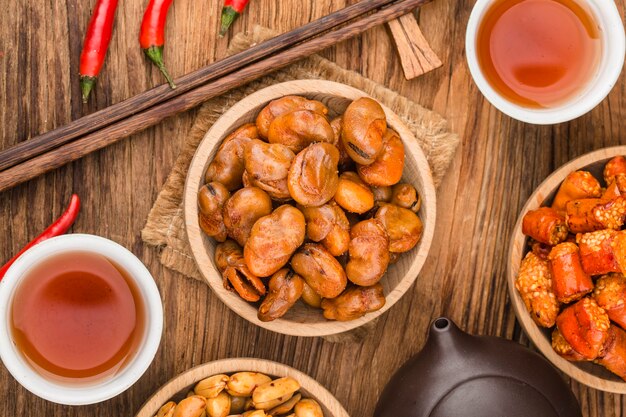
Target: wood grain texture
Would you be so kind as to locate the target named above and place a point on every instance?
(181, 384)
(587, 373)
(499, 164)
(301, 320)
(416, 55)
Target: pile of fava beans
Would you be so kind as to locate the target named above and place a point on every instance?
(310, 208)
(246, 394)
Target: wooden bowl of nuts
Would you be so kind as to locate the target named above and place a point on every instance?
(567, 260)
(252, 387)
(309, 208)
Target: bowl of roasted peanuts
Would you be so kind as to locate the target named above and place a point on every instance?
(567, 262)
(309, 208)
(242, 387)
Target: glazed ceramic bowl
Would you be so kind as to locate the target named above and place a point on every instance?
(586, 373)
(302, 320)
(177, 388)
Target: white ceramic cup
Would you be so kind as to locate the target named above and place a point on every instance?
(609, 68)
(110, 386)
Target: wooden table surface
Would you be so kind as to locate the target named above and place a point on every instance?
(497, 166)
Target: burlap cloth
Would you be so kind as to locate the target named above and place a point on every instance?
(165, 227)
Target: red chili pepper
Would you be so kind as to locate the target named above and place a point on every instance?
(231, 11)
(152, 34)
(96, 44)
(59, 227)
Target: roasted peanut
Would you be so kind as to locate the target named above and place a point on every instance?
(190, 407)
(276, 389)
(267, 166)
(273, 239)
(298, 129)
(320, 270)
(243, 209)
(329, 225)
(218, 406)
(227, 166)
(308, 408)
(167, 410)
(242, 384)
(285, 288)
(355, 302)
(313, 178)
(406, 196)
(310, 297)
(387, 169)
(364, 125)
(369, 253)
(235, 273)
(282, 106)
(210, 387)
(211, 199)
(403, 227)
(345, 162)
(353, 194)
(382, 194)
(285, 407)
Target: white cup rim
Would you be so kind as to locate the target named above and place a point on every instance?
(598, 88)
(110, 387)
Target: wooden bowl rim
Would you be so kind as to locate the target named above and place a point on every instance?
(196, 174)
(516, 250)
(228, 366)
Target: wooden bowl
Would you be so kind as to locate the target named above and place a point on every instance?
(178, 387)
(302, 320)
(590, 374)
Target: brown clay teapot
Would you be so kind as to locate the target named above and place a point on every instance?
(459, 375)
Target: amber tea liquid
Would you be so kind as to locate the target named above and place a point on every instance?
(538, 53)
(77, 317)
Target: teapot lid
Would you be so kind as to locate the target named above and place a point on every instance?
(459, 375)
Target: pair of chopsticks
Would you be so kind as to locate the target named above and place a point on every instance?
(58, 147)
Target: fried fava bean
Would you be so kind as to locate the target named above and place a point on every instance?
(267, 166)
(235, 273)
(534, 284)
(406, 196)
(310, 297)
(273, 239)
(329, 225)
(285, 105)
(369, 252)
(344, 159)
(382, 194)
(313, 178)
(285, 407)
(610, 294)
(585, 326)
(192, 406)
(355, 302)
(228, 165)
(218, 406)
(403, 227)
(614, 167)
(577, 185)
(242, 384)
(211, 199)
(387, 169)
(364, 125)
(166, 410)
(320, 270)
(298, 129)
(545, 225)
(278, 389)
(308, 408)
(353, 194)
(285, 288)
(211, 387)
(243, 209)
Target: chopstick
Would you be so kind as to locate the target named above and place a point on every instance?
(153, 115)
(92, 122)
